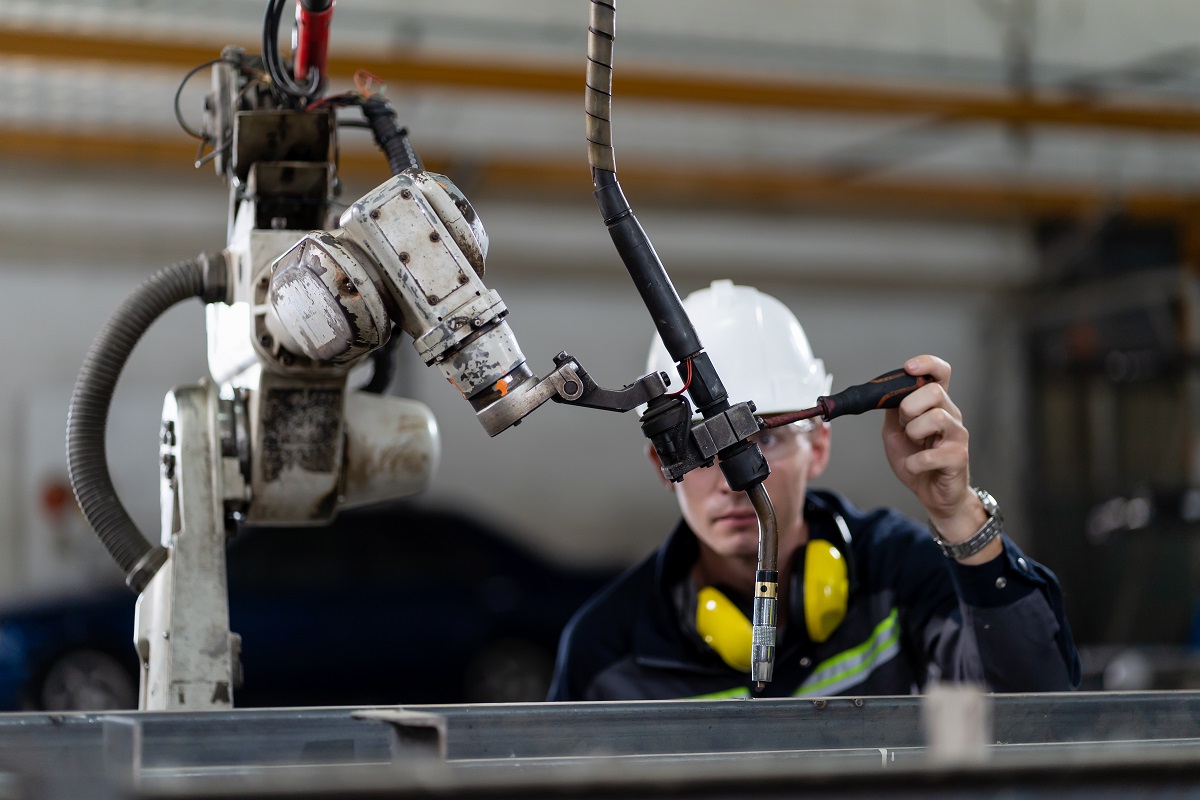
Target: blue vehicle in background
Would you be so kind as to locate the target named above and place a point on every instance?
(390, 604)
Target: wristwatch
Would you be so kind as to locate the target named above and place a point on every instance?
(990, 530)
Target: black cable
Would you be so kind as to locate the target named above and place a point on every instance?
(179, 91)
(282, 84)
(742, 462)
(392, 139)
(383, 364)
(270, 53)
(216, 151)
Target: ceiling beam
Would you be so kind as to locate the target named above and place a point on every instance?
(743, 190)
(789, 94)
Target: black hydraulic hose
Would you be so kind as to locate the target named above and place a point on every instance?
(658, 293)
(390, 137)
(282, 84)
(646, 269)
(742, 462)
(644, 266)
(87, 419)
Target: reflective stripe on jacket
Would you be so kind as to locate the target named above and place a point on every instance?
(913, 616)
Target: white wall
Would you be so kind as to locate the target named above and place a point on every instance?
(47, 340)
(74, 247)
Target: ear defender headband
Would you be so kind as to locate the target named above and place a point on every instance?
(820, 592)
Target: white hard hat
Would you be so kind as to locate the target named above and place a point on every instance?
(757, 346)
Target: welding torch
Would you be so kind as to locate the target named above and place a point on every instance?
(666, 421)
(886, 391)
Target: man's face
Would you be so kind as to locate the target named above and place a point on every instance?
(725, 521)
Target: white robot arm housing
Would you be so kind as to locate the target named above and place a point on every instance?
(410, 251)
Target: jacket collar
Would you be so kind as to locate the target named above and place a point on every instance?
(661, 636)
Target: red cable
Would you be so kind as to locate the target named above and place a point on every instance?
(312, 41)
(686, 383)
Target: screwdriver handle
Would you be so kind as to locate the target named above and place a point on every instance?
(886, 391)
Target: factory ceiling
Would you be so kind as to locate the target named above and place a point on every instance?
(994, 109)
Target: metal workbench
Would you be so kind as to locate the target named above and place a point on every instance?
(1051, 745)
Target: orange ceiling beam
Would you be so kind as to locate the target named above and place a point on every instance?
(790, 94)
(747, 190)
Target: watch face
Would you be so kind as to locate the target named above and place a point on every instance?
(989, 503)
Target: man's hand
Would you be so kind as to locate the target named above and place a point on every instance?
(926, 445)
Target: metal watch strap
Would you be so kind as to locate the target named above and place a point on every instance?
(990, 530)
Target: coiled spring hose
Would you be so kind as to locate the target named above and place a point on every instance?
(390, 137)
(87, 419)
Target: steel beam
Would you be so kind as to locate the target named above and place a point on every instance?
(1054, 745)
(742, 726)
(773, 189)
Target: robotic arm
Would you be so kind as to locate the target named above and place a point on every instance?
(295, 300)
(412, 250)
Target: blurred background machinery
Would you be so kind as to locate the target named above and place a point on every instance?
(340, 615)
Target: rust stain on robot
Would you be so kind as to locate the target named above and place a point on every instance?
(460, 200)
(314, 258)
(300, 427)
(399, 462)
(402, 461)
(345, 286)
(477, 367)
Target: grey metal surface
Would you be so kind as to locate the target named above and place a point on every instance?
(1054, 745)
(1120, 778)
(166, 739)
(734, 726)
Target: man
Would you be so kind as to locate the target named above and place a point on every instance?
(870, 602)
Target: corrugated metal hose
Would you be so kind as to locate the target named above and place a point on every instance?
(87, 419)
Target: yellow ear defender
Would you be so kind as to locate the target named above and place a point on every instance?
(724, 628)
(823, 597)
(826, 589)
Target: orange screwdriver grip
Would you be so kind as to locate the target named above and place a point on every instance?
(886, 391)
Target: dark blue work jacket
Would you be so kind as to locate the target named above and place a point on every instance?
(913, 616)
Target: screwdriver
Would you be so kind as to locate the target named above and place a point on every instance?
(886, 391)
